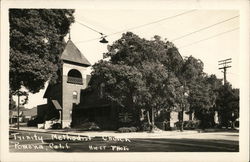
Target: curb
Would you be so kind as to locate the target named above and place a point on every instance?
(121, 135)
(60, 133)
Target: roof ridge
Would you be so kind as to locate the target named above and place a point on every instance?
(72, 54)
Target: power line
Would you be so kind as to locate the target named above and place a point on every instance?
(88, 40)
(103, 40)
(139, 26)
(89, 27)
(154, 22)
(219, 34)
(204, 28)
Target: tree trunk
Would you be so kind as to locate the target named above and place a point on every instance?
(137, 116)
(190, 116)
(153, 120)
(149, 123)
(181, 127)
(18, 110)
(181, 119)
(233, 125)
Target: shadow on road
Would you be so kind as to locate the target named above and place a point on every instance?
(204, 142)
(154, 145)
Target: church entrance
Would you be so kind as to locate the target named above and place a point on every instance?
(103, 117)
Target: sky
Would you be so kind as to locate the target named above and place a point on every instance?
(201, 44)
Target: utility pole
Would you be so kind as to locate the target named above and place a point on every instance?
(224, 64)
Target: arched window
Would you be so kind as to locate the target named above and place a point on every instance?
(75, 77)
(75, 95)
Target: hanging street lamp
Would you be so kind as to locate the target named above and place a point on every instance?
(103, 40)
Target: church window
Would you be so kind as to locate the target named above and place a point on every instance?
(75, 94)
(74, 77)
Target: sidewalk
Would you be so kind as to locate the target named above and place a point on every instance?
(208, 134)
(158, 134)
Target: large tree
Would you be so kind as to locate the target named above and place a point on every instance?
(140, 74)
(227, 104)
(202, 90)
(36, 41)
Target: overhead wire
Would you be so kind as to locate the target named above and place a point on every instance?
(219, 34)
(204, 28)
(163, 19)
(153, 22)
(139, 26)
(89, 27)
(177, 38)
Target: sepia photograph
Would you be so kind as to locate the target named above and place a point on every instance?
(124, 80)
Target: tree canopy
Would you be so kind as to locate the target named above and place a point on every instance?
(151, 75)
(36, 41)
(227, 104)
(202, 90)
(139, 73)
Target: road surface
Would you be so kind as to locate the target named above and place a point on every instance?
(24, 141)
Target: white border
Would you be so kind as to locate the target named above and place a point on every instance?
(242, 5)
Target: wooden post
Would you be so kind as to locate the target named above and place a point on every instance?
(182, 117)
(153, 119)
(60, 116)
(191, 116)
(18, 107)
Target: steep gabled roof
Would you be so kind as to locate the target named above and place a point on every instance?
(72, 54)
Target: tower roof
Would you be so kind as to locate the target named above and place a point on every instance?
(72, 54)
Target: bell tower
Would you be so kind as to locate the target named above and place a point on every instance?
(74, 66)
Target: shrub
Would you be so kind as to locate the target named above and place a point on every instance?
(145, 127)
(177, 124)
(127, 129)
(56, 126)
(88, 126)
(34, 122)
(133, 129)
(94, 126)
(31, 123)
(188, 125)
(191, 124)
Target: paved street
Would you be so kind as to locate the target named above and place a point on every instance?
(24, 141)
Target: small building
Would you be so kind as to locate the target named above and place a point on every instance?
(25, 115)
(29, 114)
(13, 116)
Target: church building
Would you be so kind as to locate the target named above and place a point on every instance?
(71, 103)
(62, 96)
